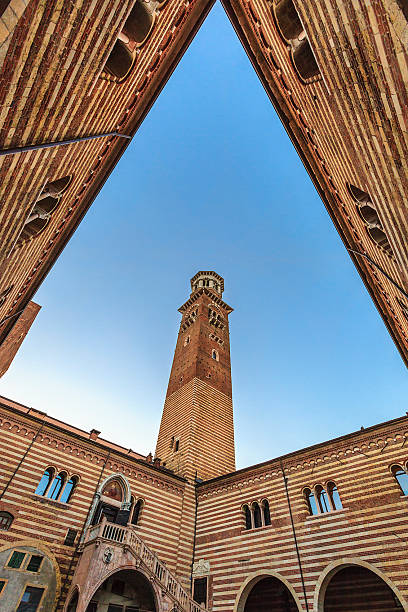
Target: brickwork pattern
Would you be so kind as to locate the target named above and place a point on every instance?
(349, 125)
(371, 527)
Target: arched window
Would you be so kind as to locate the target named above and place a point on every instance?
(266, 512)
(69, 489)
(57, 485)
(45, 482)
(55, 188)
(176, 445)
(322, 499)
(113, 490)
(247, 514)
(304, 61)
(311, 502)
(257, 515)
(214, 355)
(334, 496)
(136, 512)
(401, 477)
(287, 19)
(5, 520)
(134, 33)
(370, 217)
(291, 29)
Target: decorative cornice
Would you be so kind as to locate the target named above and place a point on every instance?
(307, 459)
(93, 455)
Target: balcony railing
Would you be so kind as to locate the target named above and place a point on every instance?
(127, 536)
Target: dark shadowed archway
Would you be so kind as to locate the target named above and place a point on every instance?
(358, 589)
(270, 594)
(126, 590)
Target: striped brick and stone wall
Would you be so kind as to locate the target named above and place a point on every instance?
(348, 120)
(54, 88)
(369, 532)
(31, 442)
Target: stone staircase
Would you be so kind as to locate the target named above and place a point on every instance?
(127, 537)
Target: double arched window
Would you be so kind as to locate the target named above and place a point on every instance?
(256, 514)
(135, 32)
(291, 29)
(56, 486)
(369, 216)
(320, 500)
(401, 476)
(6, 520)
(42, 210)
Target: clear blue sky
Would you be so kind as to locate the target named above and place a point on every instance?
(211, 181)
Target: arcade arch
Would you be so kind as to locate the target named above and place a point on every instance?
(267, 590)
(353, 585)
(126, 590)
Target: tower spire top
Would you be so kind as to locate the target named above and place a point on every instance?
(207, 279)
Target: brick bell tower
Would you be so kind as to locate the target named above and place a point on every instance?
(196, 437)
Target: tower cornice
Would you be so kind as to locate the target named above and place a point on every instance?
(198, 293)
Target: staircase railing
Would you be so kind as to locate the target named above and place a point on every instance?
(127, 536)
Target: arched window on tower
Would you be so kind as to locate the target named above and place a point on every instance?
(45, 482)
(257, 515)
(69, 489)
(6, 520)
(266, 512)
(215, 355)
(401, 477)
(57, 485)
(334, 496)
(248, 517)
(311, 502)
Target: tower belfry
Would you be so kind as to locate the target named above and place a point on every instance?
(196, 437)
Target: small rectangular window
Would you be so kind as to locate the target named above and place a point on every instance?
(70, 537)
(2, 585)
(16, 559)
(34, 563)
(200, 591)
(132, 609)
(115, 608)
(30, 600)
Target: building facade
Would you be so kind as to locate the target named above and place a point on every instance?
(89, 526)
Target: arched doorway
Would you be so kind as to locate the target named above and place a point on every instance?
(124, 591)
(267, 593)
(356, 588)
